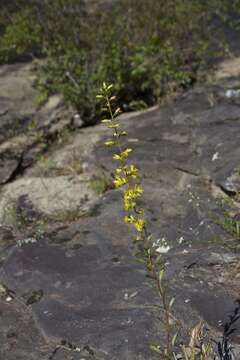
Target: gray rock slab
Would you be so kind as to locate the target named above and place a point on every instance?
(54, 197)
(20, 338)
(87, 299)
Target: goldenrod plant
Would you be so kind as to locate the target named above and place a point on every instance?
(127, 177)
(126, 174)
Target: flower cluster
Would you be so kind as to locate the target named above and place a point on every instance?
(126, 174)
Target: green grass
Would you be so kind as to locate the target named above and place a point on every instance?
(99, 184)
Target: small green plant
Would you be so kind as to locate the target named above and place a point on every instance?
(23, 223)
(231, 225)
(20, 40)
(228, 218)
(42, 96)
(68, 215)
(99, 183)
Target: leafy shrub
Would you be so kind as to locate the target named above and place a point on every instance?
(145, 47)
(20, 40)
(228, 12)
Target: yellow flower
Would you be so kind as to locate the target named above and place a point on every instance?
(120, 181)
(132, 171)
(109, 143)
(119, 170)
(128, 195)
(133, 193)
(124, 154)
(113, 126)
(128, 205)
(125, 173)
(138, 190)
(130, 219)
(139, 225)
(116, 157)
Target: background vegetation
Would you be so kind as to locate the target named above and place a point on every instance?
(146, 47)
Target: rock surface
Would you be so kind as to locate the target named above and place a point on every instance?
(77, 291)
(20, 115)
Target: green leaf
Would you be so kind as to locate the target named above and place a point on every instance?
(174, 338)
(172, 301)
(161, 274)
(117, 112)
(156, 349)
